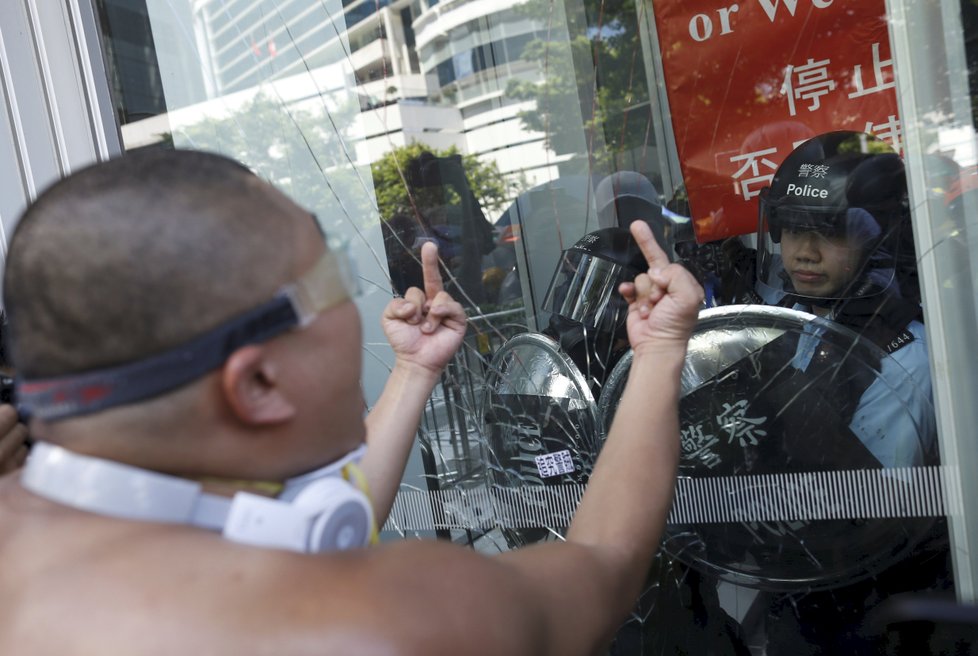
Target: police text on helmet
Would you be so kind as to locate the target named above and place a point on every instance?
(807, 190)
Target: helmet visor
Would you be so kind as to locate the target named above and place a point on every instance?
(583, 288)
(821, 254)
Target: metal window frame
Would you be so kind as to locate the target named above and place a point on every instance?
(56, 110)
(949, 278)
(56, 115)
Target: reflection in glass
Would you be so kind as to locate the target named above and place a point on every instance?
(524, 109)
(541, 421)
(794, 486)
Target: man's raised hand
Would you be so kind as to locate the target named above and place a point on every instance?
(664, 302)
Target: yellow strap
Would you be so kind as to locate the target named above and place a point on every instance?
(353, 474)
(266, 488)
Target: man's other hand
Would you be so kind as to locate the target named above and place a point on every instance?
(663, 304)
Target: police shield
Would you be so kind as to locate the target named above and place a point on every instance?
(541, 423)
(806, 452)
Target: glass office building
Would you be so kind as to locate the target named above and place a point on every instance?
(511, 132)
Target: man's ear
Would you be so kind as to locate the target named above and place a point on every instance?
(250, 384)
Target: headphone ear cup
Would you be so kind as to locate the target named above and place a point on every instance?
(343, 515)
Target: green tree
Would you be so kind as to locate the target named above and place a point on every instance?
(309, 155)
(391, 173)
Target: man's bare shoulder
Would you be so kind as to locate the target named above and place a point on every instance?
(131, 587)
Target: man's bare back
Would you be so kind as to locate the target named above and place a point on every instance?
(77, 583)
(275, 410)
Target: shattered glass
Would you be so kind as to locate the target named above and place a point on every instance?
(780, 489)
(399, 122)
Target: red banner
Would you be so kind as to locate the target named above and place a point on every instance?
(749, 80)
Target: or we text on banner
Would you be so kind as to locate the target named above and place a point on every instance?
(749, 80)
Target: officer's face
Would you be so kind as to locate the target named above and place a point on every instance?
(819, 265)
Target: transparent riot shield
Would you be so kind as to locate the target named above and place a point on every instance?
(542, 430)
(807, 452)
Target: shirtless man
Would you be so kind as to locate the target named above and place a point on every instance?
(142, 259)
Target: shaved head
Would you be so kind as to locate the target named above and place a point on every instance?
(136, 255)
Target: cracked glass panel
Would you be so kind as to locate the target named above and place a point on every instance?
(795, 486)
(522, 138)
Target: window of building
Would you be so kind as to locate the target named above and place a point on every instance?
(508, 132)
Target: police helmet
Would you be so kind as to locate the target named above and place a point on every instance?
(625, 196)
(584, 288)
(587, 314)
(843, 192)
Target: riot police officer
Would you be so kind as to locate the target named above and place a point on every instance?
(835, 239)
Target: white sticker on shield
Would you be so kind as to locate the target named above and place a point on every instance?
(554, 464)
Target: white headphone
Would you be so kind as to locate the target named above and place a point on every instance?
(316, 512)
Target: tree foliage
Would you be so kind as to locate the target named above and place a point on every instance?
(492, 189)
(308, 154)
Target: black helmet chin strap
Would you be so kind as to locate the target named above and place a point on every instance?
(882, 318)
